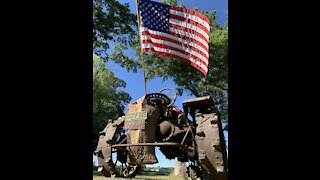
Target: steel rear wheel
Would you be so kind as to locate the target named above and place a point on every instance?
(112, 161)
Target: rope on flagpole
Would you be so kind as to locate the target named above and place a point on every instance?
(142, 58)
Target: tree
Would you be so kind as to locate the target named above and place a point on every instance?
(108, 99)
(112, 21)
(185, 76)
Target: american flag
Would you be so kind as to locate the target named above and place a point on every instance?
(175, 32)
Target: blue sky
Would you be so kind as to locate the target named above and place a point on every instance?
(134, 81)
(220, 6)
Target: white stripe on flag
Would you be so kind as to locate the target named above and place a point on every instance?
(189, 26)
(189, 43)
(192, 17)
(170, 51)
(145, 37)
(190, 35)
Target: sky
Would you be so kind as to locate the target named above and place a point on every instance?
(134, 81)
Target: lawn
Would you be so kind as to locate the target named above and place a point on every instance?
(98, 176)
(140, 177)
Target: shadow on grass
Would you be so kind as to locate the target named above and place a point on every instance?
(96, 173)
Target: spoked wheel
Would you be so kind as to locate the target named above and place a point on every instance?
(192, 172)
(112, 161)
(185, 172)
(120, 163)
(103, 167)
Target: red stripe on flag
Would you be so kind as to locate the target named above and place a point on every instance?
(189, 21)
(144, 33)
(185, 38)
(189, 31)
(176, 57)
(189, 39)
(175, 49)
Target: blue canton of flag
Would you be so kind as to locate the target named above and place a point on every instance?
(154, 15)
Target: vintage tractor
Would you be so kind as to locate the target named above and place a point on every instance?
(129, 142)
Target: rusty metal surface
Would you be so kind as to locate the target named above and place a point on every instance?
(209, 140)
(184, 138)
(104, 152)
(151, 121)
(146, 116)
(150, 144)
(172, 98)
(165, 131)
(197, 99)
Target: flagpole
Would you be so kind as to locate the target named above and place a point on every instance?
(142, 58)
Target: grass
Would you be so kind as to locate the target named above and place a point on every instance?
(140, 177)
(98, 176)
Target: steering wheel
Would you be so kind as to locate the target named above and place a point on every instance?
(172, 98)
(159, 97)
